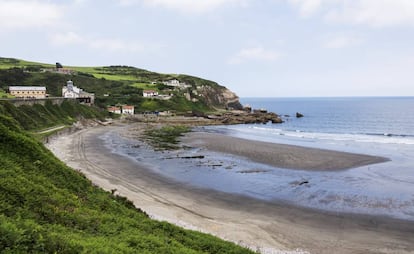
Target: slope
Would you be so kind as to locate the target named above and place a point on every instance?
(46, 207)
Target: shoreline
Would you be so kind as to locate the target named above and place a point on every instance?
(281, 155)
(265, 226)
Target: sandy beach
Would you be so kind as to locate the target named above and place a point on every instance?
(283, 156)
(269, 227)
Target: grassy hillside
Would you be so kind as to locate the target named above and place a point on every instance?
(114, 85)
(38, 117)
(46, 207)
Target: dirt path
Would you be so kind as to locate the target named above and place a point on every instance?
(51, 129)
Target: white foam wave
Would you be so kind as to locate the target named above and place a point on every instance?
(297, 134)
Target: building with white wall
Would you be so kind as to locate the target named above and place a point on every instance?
(124, 109)
(128, 110)
(150, 93)
(37, 92)
(71, 91)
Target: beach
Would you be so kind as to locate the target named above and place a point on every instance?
(269, 227)
(283, 156)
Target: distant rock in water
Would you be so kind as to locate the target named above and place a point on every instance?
(299, 115)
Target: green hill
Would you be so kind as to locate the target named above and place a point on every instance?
(46, 207)
(121, 85)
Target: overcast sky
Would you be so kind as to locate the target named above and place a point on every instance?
(257, 48)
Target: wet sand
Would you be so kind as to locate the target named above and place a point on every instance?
(265, 226)
(278, 155)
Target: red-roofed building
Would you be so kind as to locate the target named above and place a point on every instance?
(129, 110)
(150, 93)
(115, 110)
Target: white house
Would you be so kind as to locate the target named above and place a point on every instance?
(149, 93)
(128, 110)
(176, 83)
(114, 109)
(71, 91)
(124, 109)
(172, 82)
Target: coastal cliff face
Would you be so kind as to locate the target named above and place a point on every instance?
(219, 97)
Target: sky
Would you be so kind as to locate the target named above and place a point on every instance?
(256, 48)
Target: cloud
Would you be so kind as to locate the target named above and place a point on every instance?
(108, 44)
(306, 7)
(253, 54)
(28, 13)
(68, 38)
(377, 13)
(374, 13)
(343, 41)
(185, 6)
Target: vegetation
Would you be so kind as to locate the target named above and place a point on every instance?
(111, 85)
(46, 207)
(39, 116)
(166, 137)
(4, 94)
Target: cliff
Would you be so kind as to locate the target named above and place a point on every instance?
(219, 96)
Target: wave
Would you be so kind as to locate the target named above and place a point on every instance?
(389, 135)
(384, 138)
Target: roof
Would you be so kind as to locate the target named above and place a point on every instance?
(150, 91)
(114, 108)
(128, 107)
(27, 88)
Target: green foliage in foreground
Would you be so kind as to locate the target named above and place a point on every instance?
(46, 207)
(166, 137)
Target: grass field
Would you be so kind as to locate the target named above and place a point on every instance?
(145, 86)
(115, 77)
(6, 63)
(90, 70)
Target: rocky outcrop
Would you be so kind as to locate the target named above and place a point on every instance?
(236, 118)
(239, 117)
(219, 97)
(299, 115)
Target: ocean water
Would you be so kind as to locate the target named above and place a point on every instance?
(374, 126)
(356, 118)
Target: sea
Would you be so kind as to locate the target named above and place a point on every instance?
(379, 126)
(384, 119)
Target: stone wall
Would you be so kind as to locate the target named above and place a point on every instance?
(29, 101)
